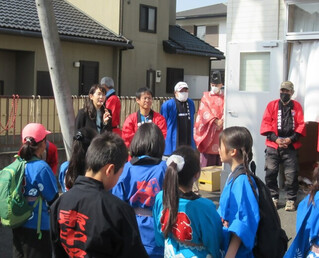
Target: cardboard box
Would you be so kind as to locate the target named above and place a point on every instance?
(209, 179)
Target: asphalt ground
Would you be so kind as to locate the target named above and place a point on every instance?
(288, 221)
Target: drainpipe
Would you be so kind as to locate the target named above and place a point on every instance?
(120, 74)
(285, 62)
(119, 93)
(121, 32)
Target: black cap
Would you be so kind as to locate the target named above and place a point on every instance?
(216, 77)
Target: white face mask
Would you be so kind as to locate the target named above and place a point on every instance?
(214, 90)
(182, 96)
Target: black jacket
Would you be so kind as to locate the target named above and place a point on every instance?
(83, 120)
(89, 220)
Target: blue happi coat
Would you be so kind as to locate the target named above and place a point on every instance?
(239, 207)
(169, 111)
(138, 185)
(39, 181)
(197, 231)
(63, 169)
(307, 228)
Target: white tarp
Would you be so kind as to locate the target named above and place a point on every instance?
(303, 72)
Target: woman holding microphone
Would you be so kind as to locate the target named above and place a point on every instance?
(94, 115)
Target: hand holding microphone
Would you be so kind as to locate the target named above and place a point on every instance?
(106, 116)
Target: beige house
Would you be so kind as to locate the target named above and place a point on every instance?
(135, 42)
(268, 42)
(209, 24)
(89, 49)
(163, 53)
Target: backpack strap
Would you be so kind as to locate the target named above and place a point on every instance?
(38, 201)
(239, 170)
(39, 218)
(39, 198)
(23, 163)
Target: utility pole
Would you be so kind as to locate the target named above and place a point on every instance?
(58, 76)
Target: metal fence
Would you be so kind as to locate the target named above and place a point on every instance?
(16, 112)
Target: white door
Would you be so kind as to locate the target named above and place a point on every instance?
(254, 74)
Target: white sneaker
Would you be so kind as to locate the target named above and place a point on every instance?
(290, 205)
(275, 201)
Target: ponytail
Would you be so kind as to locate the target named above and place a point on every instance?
(182, 166)
(28, 149)
(247, 158)
(170, 197)
(77, 164)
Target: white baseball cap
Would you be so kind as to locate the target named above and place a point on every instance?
(180, 85)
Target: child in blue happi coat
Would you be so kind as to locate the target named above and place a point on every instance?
(142, 179)
(32, 239)
(185, 224)
(238, 206)
(306, 242)
(70, 170)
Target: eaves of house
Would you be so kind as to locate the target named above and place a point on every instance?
(211, 11)
(20, 17)
(182, 42)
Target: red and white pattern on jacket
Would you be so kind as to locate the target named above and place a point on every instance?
(182, 229)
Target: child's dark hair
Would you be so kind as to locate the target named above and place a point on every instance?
(142, 90)
(106, 148)
(28, 149)
(148, 140)
(174, 178)
(89, 107)
(315, 185)
(82, 140)
(239, 138)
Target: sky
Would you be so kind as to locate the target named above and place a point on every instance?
(182, 5)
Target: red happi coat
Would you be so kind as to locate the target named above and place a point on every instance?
(130, 126)
(269, 122)
(113, 103)
(206, 135)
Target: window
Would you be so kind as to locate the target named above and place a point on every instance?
(174, 75)
(200, 32)
(148, 18)
(212, 33)
(208, 33)
(303, 20)
(254, 71)
(44, 85)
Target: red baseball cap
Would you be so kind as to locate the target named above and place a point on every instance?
(34, 130)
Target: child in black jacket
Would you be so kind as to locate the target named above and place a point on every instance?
(88, 221)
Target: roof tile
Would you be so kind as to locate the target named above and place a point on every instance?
(181, 41)
(22, 15)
